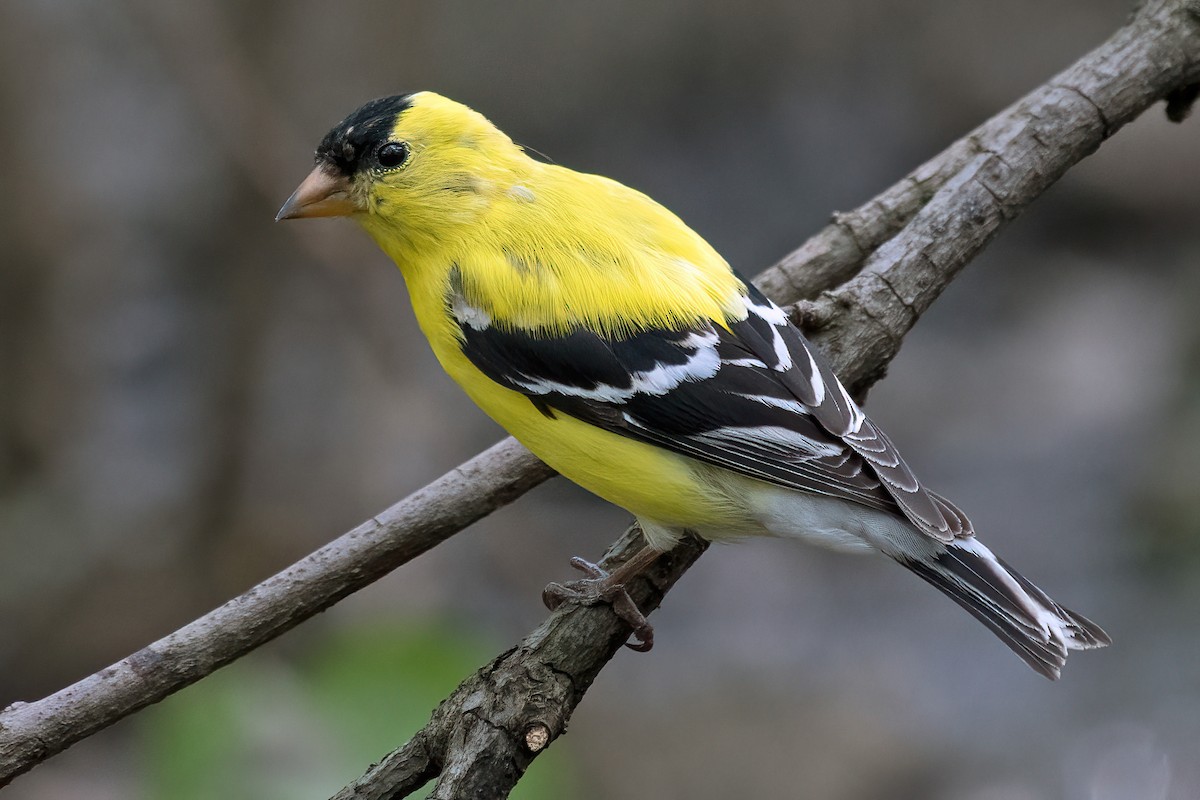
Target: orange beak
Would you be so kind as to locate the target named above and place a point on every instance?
(324, 193)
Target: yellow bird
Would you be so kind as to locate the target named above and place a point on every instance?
(618, 346)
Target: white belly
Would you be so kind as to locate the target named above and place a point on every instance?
(825, 521)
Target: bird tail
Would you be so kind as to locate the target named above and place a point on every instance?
(1037, 629)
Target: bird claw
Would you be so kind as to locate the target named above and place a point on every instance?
(599, 587)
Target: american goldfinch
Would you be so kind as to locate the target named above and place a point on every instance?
(619, 347)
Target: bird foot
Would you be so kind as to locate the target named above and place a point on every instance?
(602, 586)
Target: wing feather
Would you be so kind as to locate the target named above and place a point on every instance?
(841, 416)
(752, 396)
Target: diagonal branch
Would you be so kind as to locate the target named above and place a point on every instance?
(905, 246)
(32, 732)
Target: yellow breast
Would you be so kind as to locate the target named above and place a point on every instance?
(564, 250)
(650, 482)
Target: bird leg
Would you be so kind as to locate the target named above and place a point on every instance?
(602, 586)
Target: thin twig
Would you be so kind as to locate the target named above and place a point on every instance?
(32, 732)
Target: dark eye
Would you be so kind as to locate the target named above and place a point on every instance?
(392, 155)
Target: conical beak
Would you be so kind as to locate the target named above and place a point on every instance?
(324, 193)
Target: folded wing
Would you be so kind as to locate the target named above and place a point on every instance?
(751, 396)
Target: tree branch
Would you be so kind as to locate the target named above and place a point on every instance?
(905, 246)
(32, 732)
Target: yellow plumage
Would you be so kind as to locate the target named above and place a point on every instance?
(542, 247)
(618, 346)
(546, 247)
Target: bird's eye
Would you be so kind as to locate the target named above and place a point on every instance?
(392, 155)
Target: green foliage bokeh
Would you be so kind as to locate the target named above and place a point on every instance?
(268, 729)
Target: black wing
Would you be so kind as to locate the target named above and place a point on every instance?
(755, 398)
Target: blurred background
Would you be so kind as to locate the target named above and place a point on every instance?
(192, 397)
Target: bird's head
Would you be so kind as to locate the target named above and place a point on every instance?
(408, 168)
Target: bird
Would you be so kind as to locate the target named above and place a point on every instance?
(619, 347)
